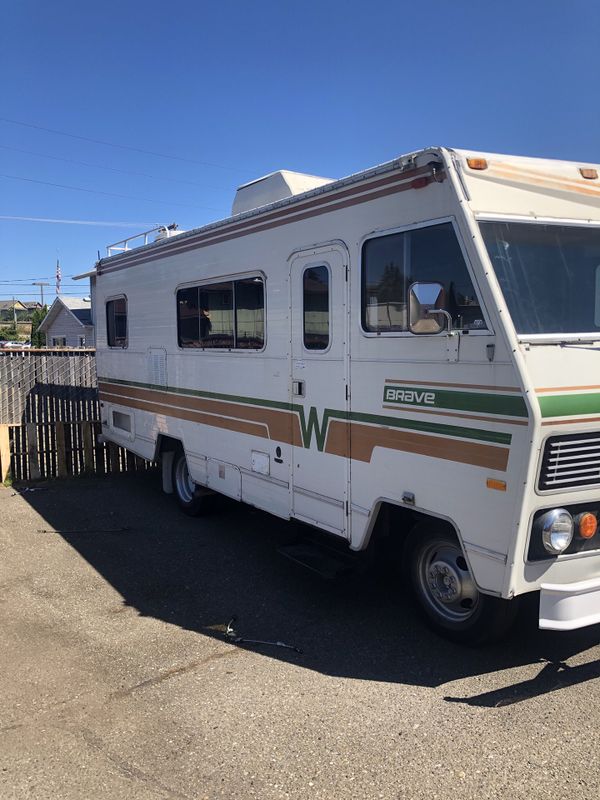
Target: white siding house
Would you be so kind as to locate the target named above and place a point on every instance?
(68, 323)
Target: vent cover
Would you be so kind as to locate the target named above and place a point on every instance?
(571, 461)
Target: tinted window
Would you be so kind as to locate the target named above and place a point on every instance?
(215, 318)
(249, 313)
(229, 315)
(116, 322)
(392, 263)
(315, 290)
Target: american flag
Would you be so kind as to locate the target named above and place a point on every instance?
(58, 276)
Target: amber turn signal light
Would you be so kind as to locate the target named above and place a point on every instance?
(587, 525)
(590, 174)
(477, 163)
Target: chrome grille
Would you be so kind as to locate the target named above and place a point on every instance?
(571, 461)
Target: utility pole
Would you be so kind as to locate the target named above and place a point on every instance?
(41, 284)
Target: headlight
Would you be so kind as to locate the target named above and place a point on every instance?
(557, 530)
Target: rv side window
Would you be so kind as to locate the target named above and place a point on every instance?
(390, 264)
(315, 286)
(116, 322)
(228, 315)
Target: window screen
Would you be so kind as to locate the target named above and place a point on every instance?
(315, 291)
(229, 315)
(116, 322)
(390, 264)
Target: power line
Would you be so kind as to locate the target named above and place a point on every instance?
(101, 223)
(111, 169)
(121, 146)
(107, 194)
(10, 295)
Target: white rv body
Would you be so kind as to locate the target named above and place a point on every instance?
(450, 425)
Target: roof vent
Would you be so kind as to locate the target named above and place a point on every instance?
(271, 188)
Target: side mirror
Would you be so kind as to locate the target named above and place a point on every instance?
(426, 303)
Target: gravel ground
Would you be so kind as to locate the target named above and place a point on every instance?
(118, 681)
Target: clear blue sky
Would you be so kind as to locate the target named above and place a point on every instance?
(237, 89)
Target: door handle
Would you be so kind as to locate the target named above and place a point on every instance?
(298, 388)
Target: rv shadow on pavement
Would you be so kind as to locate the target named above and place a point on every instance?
(199, 573)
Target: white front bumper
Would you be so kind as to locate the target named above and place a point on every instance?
(566, 606)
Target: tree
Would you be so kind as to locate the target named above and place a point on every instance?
(38, 339)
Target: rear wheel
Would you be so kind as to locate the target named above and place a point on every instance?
(446, 591)
(190, 497)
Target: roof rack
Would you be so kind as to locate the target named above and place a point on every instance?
(164, 232)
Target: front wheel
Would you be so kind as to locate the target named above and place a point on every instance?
(446, 591)
(190, 497)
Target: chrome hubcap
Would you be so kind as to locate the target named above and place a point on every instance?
(446, 582)
(184, 485)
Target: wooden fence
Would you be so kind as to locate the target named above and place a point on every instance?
(50, 417)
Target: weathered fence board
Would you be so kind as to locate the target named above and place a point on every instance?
(50, 417)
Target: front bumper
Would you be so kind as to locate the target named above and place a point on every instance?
(566, 606)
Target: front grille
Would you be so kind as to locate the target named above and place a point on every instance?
(571, 461)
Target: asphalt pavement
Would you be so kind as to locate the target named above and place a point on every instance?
(118, 678)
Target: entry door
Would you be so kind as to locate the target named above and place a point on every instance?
(319, 387)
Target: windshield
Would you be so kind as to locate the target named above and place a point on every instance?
(549, 275)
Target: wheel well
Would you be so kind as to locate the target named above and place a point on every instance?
(393, 524)
(166, 444)
(165, 450)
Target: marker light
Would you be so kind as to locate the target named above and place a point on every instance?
(557, 530)
(477, 163)
(586, 525)
(590, 174)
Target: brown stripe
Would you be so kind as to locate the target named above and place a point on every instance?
(276, 220)
(574, 182)
(558, 389)
(283, 426)
(572, 421)
(550, 183)
(419, 410)
(454, 385)
(366, 437)
(191, 416)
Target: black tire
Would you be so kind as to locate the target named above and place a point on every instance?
(191, 498)
(446, 592)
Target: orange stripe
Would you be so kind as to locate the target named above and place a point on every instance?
(283, 425)
(344, 439)
(558, 389)
(572, 421)
(546, 182)
(574, 182)
(365, 438)
(191, 416)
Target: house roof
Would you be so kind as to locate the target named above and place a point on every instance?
(79, 307)
(10, 304)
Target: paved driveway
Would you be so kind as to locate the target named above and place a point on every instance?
(117, 680)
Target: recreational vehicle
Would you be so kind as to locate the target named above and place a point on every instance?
(409, 354)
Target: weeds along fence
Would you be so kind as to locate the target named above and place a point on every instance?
(50, 417)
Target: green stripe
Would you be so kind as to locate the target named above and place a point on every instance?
(507, 405)
(569, 405)
(312, 427)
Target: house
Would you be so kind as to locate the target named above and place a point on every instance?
(11, 310)
(68, 323)
(32, 305)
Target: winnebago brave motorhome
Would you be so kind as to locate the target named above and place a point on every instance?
(411, 352)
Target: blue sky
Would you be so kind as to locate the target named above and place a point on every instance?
(233, 90)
